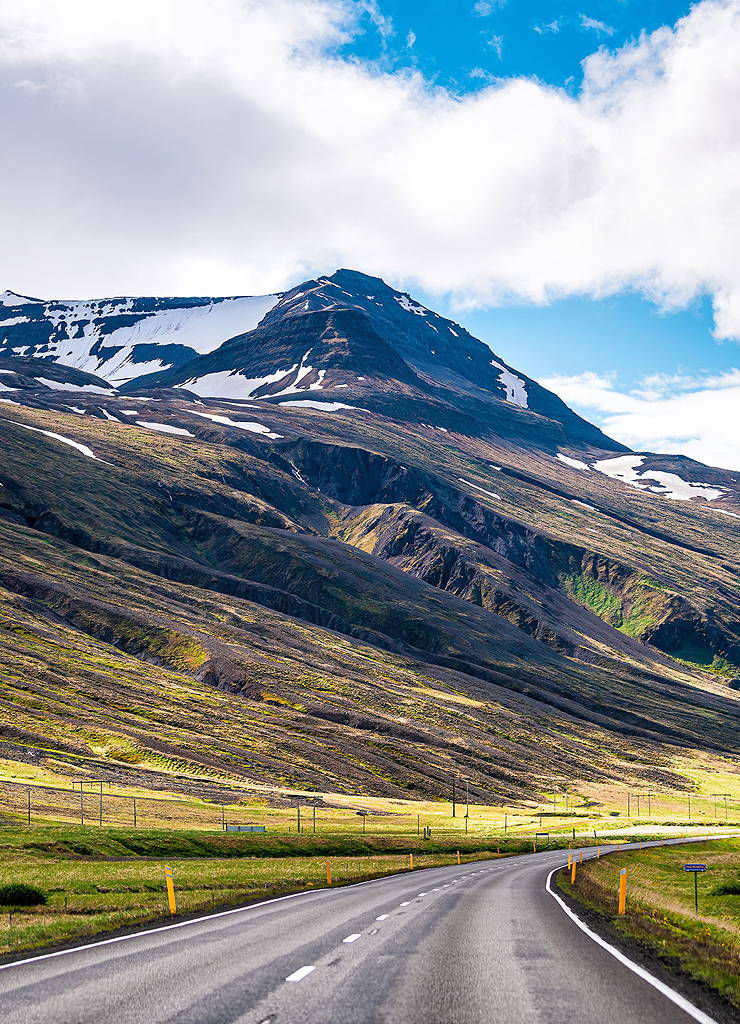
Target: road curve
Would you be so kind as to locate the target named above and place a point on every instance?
(484, 942)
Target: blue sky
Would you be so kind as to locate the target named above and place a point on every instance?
(460, 44)
(452, 41)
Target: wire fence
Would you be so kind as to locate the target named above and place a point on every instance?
(89, 803)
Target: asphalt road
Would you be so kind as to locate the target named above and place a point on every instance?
(484, 942)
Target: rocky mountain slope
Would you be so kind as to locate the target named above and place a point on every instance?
(335, 541)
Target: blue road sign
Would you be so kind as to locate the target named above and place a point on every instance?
(695, 867)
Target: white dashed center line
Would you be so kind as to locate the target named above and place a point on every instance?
(422, 894)
(404, 904)
(351, 938)
(381, 918)
(300, 974)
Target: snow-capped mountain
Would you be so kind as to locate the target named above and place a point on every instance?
(340, 480)
(122, 338)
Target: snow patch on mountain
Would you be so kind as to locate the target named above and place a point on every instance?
(254, 428)
(516, 392)
(410, 306)
(59, 385)
(322, 406)
(9, 298)
(573, 463)
(82, 448)
(491, 494)
(667, 485)
(232, 383)
(164, 428)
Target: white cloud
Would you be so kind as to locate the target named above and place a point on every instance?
(410, 38)
(191, 146)
(694, 416)
(497, 45)
(482, 8)
(594, 25)
(547, 28)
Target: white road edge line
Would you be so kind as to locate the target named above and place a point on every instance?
(352, 938)
(300, 974)
(669, 993)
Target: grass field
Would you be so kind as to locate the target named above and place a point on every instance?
(98, 880)
(201, 803)
(660, 913)
(102, 879)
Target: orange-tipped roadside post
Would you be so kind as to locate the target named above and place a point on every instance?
(622, 891)
(328, 872)
(411, 861)
(573, 873)
(569, 860)
(169, 881)
(458, 856)
(598, 851)
(581, 857)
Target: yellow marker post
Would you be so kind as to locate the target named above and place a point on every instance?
(328, 872)
(598, 851)
(581, 857)
(534, 846)
(170, 889)
(411, 861)
(569, 860)
(458, 856)
(622, 891)
(573, 873)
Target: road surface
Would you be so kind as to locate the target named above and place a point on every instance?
(484, 943)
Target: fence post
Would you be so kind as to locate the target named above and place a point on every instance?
(622, 891)
(170, 889)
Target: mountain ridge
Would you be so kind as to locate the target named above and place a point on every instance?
(358, 494)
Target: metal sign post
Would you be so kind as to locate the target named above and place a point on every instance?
(697, 870)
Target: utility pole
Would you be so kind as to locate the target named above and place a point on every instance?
(314, 819)
(100, 821)
(29, 805)
(82, 807)
(298, 808)
(689, 796)
(628, 806)
(454, 813)
(638, 805)
(134, 812)
(223, 819)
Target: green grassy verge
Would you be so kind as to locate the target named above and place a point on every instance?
(101, 880)
(660, 914)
